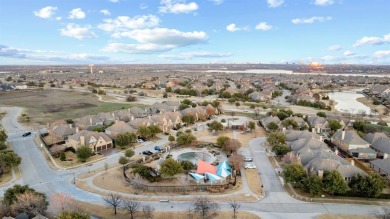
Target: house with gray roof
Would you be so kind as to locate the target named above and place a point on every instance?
(380, 143)
(381, 166)
(350, 142)
(308, 144)
(320, 165)
(319, 124)
(119, 127)
(267, 120)
(97, 141)
(63, 130)
(88, 122)
(293, 135)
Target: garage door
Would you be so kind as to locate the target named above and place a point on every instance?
(109, 145)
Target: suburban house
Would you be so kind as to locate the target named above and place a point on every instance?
(124, 115)
(319, 124)
(380, 143)
(381, 166)
(320, 165)
(119, 127)
(350, 142)
(62, 130)
(88, 122)
(106, 118)
(97, 141)
(299, 120)
(267, 120)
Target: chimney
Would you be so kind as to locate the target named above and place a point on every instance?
(132, 118)
(321, 138)
(343, 134)
(353, 162)
(313, 130)
(82, 140)
(70, 125)
(336, 152)
(113, 114)
(149, 117)
(284, 130)
(90, 121)
(320, 173)
(77, 129)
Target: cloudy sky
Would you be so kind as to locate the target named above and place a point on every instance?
(194, 31)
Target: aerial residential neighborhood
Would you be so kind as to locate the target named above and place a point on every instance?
(194, 109)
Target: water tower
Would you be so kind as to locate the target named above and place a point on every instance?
(91, 67)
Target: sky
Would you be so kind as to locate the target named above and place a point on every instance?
(194, 31)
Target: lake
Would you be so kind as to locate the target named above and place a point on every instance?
(346, 102)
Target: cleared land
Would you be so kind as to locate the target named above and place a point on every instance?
(49, 105)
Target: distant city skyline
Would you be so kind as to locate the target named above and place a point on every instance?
(194, 31)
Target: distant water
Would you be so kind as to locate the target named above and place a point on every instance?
(275, 71)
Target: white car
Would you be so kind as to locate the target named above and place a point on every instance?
(250, 166)
(248, 159)
(140, 141)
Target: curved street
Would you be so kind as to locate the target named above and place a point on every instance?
(277, 203)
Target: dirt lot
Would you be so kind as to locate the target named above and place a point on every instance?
(48, 105)
(107, 213)
(254, 181)
(368, 102)
(242, 138)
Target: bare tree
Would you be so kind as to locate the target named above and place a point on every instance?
(383, 214)
(204, 206)
(148, 211)
(232, 145)
(132, 207)
(62, 202)
(235, 206)
(30, 203)
(237, 161)
(113, 200)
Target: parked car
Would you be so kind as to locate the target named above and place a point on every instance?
(250, 166)
(248, 159)
(26, 134)
(142, 138)
(140, 141)
(147, 152)
(158, 148)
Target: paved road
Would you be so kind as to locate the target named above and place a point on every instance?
(276, 203)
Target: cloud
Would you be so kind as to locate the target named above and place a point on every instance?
(329, 58)
(275, 3)
(334, 48)
(143, 6)
(191, 55)
(155, 40)
(232, 28)
(310, 20)
(164, 36)
(136, 48)
(177, 6)
(217, 2)
(323, 2)
(76, 13)
(263, 26)
(78, 32)
(382, 54)
(349, 54)
(105, 12)
(52, 56)
(45, 12)
(114, 1)
(123, 23)
(373, 41)
(58, 18)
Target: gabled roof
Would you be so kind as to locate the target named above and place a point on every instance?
(121, 127)
(382, 144)
(373, 137)
(64, 130)
(316, 120)
(308, 144)
(89, 136)
(351, 137)
(293, 135)
(383, 164)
